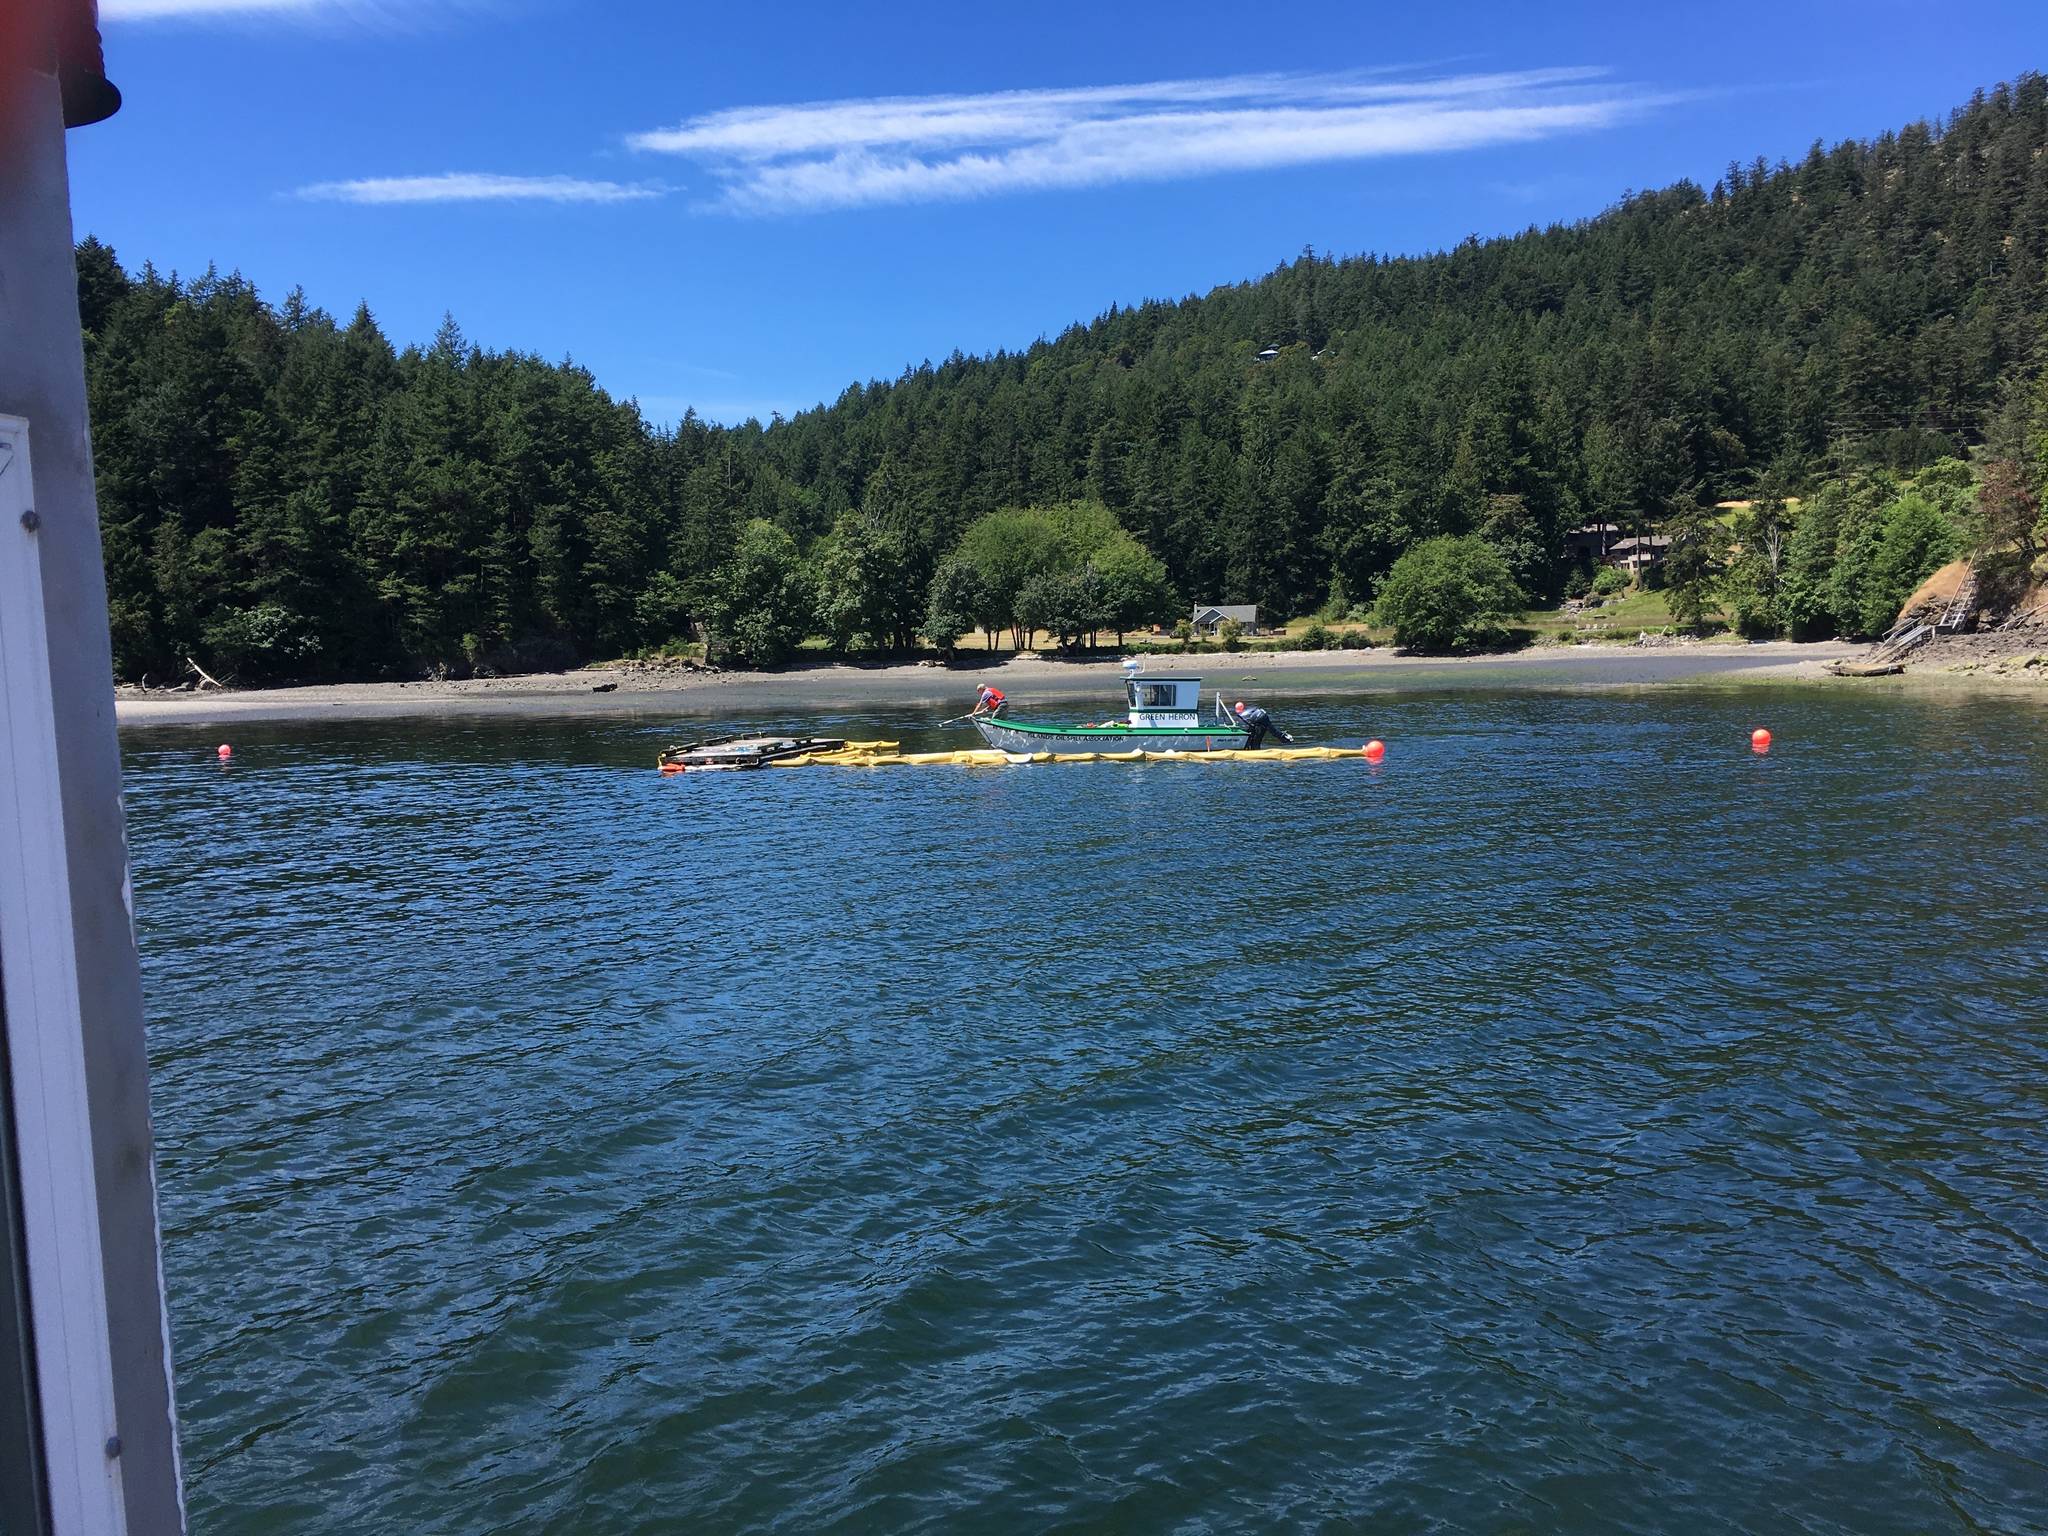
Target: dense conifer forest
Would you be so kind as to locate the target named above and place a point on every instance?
(286, 495)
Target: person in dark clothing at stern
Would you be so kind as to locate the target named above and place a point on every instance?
(1259, 723)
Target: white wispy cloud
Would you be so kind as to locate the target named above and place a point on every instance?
(175, 10)
(476, 187)
(908, 149)
(157, 10)
(389, 14)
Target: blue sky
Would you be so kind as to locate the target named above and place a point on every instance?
(743, 208)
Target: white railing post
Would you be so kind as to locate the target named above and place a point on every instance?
(60, 1211)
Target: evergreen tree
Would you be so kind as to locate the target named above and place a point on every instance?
(1755, 586)
(1695, 561)
(1810, 562)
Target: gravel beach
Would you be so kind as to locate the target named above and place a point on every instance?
(638, 689)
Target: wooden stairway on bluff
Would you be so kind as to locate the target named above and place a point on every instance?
(1889, 654)
(1964, 603)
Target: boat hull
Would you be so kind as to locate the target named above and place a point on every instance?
(1015, 736)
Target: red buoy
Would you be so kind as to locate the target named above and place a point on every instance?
(225, 752)
(1760, 740)
(1375, 750)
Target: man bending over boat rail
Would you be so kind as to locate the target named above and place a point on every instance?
(1259, 723)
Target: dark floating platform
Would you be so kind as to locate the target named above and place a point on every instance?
(743, 751)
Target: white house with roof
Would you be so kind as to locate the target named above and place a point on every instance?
(1211, 617)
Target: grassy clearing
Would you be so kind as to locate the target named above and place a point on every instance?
(1292, 630)
(1618, 620)
(1626, 613)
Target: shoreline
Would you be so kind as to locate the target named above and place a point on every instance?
(626, 690)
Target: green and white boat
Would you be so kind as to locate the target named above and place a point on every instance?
(1165, 714)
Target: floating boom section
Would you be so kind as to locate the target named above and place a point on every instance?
(884, 755)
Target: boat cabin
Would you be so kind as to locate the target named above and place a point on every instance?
(1165, 700)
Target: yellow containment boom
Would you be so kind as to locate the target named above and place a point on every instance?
(859, 754)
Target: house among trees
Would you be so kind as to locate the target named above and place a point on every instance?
(1211, 617)
(1638, 554)
(1591, 542)
(1267, 354)
(1603, 544)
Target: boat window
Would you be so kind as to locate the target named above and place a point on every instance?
(1158, 696)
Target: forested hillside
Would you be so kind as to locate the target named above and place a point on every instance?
(284, 495)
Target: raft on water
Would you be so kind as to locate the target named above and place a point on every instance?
(727, 752)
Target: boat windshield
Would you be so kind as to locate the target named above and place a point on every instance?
(1164, 695)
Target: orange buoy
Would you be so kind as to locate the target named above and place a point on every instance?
(1760, 740)
(1375, 750)
(224, 752)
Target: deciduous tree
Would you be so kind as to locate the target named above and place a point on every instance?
(1450, 593)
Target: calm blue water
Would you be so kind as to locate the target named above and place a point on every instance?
(1579, 1124)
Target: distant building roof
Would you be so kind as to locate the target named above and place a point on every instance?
(1217, 613)
(1267, 354)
